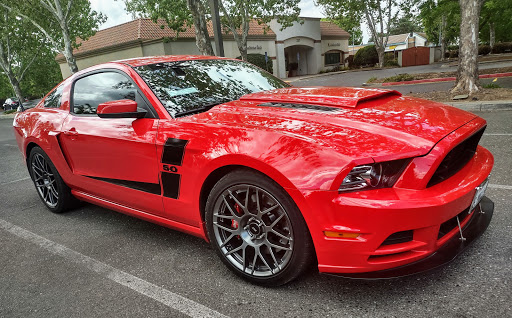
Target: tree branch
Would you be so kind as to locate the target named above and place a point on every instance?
(46, 34)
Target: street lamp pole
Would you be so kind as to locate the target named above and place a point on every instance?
(217, 32)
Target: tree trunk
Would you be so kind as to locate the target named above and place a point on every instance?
(68, 51)
(15, 85)
(443, 37)
(492, 35)
(467, 72)
(380, 51)
(202, 37)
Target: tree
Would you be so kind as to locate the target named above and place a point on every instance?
(378, 15)
(15, 58)
(441, 20)
(467, 72)
(178, 14)
(60, 21)
(351, 24)
(406, 24)
(495, 22)
(238, 13)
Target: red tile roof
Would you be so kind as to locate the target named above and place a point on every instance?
(146, 30)
(331, 29)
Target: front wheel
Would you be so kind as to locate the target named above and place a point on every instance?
(52, 190)
(257, 229)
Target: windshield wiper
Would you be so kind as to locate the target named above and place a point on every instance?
(199, 110)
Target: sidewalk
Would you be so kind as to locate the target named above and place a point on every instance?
(482, 106)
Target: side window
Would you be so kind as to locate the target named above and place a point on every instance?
(99, 88)
(53, 100)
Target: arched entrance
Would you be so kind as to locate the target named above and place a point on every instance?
(296, 59)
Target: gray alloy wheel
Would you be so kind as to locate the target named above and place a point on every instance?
(45, 181)
(257, 230)
(52, 190)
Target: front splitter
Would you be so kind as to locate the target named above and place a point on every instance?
(445, 254)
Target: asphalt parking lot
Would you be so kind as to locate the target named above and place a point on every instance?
(94, 262)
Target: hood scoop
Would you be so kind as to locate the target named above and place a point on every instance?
(323, 96)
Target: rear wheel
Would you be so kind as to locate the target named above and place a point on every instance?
(52, 190)
(257, 229)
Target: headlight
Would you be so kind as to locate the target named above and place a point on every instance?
(374, 176)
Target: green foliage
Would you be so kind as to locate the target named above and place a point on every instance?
(391, 63)
(431, 14)
(491, 85)
(43, 75)
(351, 24)
(399, 78)
(175, 12)
(371, 79)
(366, 56)
(10, 111)
(259, 60)
(406, 24)
(497, 12)
(5, 88)
(60, 22)
(378, 15)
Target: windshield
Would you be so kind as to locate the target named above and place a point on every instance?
(188, 87)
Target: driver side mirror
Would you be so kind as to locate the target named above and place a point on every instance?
(124, 108)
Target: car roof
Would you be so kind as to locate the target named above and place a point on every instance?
(140, 61)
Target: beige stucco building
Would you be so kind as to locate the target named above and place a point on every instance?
(304, 48)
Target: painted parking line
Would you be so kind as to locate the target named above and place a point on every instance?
(497, 134)
(162, 295)
(14, 181)
(499, 186)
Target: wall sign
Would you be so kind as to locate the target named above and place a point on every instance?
(334, 44)
(254, 47)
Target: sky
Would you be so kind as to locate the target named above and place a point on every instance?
(115, 11)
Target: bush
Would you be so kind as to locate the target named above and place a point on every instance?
(366, 56)
(454, 53)
(484, 49)
(491, 85)
(259, 60)
(391, 63)
(501, 47)
(9, 111)
(399, 78)
(350, 61)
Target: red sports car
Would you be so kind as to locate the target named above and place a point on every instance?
(365, 182)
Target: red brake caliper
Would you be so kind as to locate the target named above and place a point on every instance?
(234, 224)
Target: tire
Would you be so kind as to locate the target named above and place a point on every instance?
(52, 190)
(257, 229)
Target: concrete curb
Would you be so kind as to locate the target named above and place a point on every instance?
(444, 79)
(482, 106)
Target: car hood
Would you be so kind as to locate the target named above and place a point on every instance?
(356, 122)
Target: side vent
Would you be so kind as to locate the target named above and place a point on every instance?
(316, 108)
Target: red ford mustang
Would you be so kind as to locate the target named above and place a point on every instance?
(366, 182)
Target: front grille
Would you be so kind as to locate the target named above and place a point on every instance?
(449, 225)
(399, 237)
(456, 159)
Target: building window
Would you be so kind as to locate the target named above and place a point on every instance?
(332, 58)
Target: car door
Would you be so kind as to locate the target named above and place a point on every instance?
(116, 157)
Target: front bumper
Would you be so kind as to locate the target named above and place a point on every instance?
(427, 216)
(453, 247)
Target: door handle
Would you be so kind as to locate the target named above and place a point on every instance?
(71, 132)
